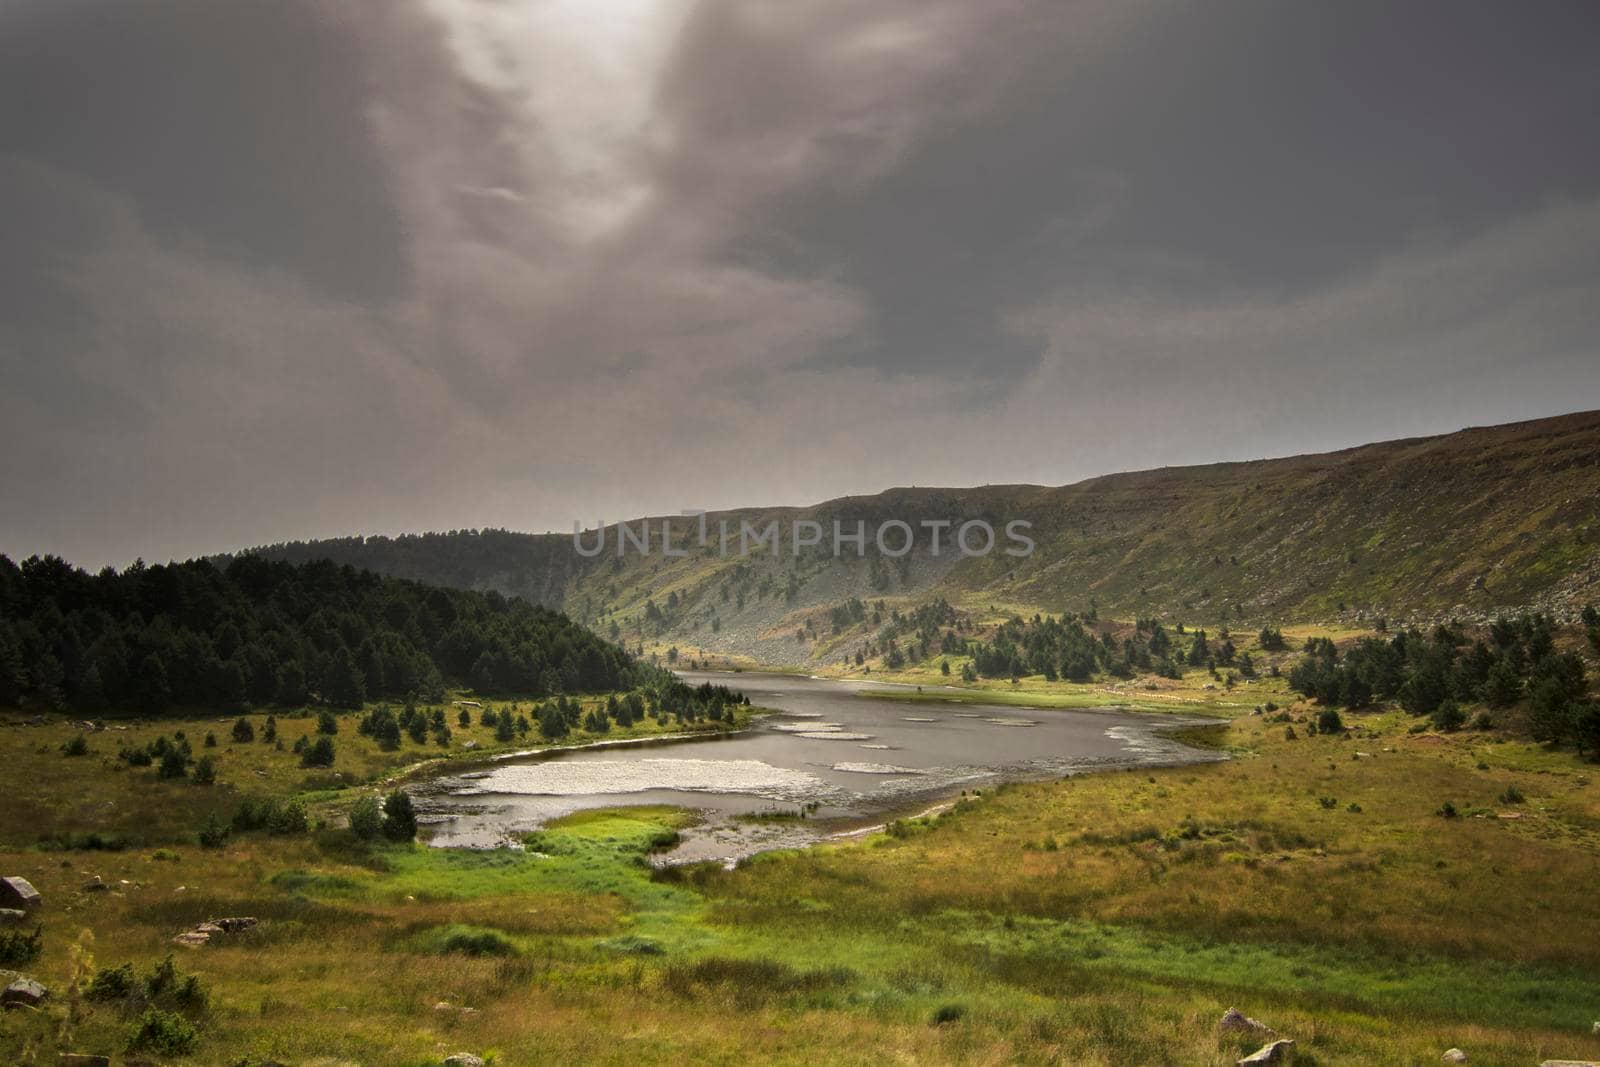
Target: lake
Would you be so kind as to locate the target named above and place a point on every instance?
(850, 760)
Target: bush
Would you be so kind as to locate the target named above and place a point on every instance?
(211, 739)
(1329, 722)
(205, 771)
(271, 815)
(318, 754)
(945, 1014)
(366, 818)
(77, 746)
(1447, 810)
(174, 764)
(243, 732)
(117, 983)
(1447, 717)
(164, 1032)
(399, 816)
(20, 946)
(327, 724)
(214, 833)
(1512, 795)
(469, 941)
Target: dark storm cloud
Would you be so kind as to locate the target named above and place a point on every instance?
(239, 125)
(294, 269)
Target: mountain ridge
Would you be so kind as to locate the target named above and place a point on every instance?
(1469, 523)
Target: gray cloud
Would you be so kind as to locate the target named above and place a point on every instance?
(292, 270)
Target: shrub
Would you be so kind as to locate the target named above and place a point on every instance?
(327, 724)
(243, 732)
(399, 816)
(117, 983)
(1512, 795)
(20, 946)
(77, 746)
(1447, 810)
(469, 941)
(205, 771)
(211, 739)
(164, 1032)
(174, 764)
(1328, 803)
(214, 833)
(1329, 722)
(1447, 717)
(366, 818)
(945, 1014)
(318, 754)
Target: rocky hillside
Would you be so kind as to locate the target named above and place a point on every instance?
(1465, 524)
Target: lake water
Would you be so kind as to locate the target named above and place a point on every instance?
(857, 759)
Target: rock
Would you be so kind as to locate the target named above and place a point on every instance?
(82, 1059)
(94, 885)
(1234, 1021)
(12, 916)
(470, 745)
(1278, 1052)
(23, 991)
(18, 892)
(1569, 1063)
(1596, 1030)
(1454, 1055)
(235, 924)
(192, 939)
(463, 1059)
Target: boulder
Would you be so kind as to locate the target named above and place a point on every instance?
(1234, 1021)
(94, 885)
(1279, 1052)
(82, 1059)
(18, 892)
(23, 991)
(1454, 1055)
(192, 939)
(236, 923)
(463, 1059)
(12, 916)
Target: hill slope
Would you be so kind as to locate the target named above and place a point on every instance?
(1467, 524)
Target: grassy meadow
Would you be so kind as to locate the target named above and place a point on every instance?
(1311, 881)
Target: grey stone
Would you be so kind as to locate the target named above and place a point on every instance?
(12, 916)
(18, 892)
(95, 885)
(1454, 1055)
(1234, 1021)
(463, 1059)
(1279, 1052)
(23, 991)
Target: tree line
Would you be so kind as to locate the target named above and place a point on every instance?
(255, 632)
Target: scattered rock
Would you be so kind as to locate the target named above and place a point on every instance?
(18, 892)
(1234, 1021)
(204, 932)
(463, 1059)
(94, 885)
(1454, 1055)
(470, 745)
(1569, 1063)
(82, 1059)
(12, 916)
(1279, 1052)
(23, 991)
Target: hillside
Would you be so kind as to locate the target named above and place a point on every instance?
(1466, 524)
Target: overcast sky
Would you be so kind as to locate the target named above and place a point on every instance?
(274, 270)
